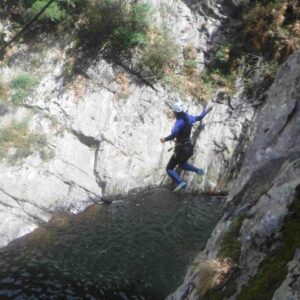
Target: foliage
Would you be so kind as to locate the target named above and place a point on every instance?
(257, 73)
(221, 58)
(270, 29)
(133, 32)
(101, 18)
(22, 84)
(17, 142)
(200, 85)
(189, 66)
(121, 23)
(54, 13)
(125, 37)
(197, 85)
(269, 33)
(160, 54)
(231, 246)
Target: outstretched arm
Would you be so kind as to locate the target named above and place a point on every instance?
(177, 127)
(202, 115)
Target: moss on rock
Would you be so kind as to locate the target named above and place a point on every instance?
(231, 245)
(273, 269)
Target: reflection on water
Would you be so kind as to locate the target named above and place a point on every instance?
(137, 248)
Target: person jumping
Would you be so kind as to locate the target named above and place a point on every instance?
(183, 147)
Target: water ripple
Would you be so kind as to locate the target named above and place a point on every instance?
(135, 249)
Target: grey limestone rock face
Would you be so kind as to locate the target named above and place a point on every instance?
(277, 126)
(217, 144)
(265, 188)
(104, 127)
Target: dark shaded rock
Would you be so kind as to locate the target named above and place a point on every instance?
(3, 109)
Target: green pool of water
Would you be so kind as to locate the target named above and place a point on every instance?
(135, 248)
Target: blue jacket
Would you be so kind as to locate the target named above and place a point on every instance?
(183, 126)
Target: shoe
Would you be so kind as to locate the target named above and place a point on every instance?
(200, 172)
(182, 185)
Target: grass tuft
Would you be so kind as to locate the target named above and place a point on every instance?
(22, 85)
(17, 142)
(213, 272)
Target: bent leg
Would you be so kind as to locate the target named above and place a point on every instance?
(187, 167)
(170, 170)
(173, 174)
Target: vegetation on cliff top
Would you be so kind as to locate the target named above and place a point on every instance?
(269, 33)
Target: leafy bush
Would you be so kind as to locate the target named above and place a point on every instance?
(133, 31)
(199, 86)
(118, 26)
(190, 60)
(54, 13)
(189, 66)
(22, 85)
(22, 81)
(270, 29)
(160, 54)
(125, 37)
(258, 74)
(101, 18)
(221, 58)
(121, 23)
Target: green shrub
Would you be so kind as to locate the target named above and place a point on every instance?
(102, 17)
(18, 137)
(54, 13)
(125, 37)
(189, 66)
(22, 85)
(271, 30)
(23, 81)
(121, 23)
(160, 54)
(221, 59)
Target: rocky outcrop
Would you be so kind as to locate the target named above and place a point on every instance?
(290, 288)
(104, 127)
(263, 202)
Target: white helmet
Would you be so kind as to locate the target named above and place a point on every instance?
(177, 107)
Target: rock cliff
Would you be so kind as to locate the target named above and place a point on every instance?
(102, 129)
(263, 205)
(98, 135)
